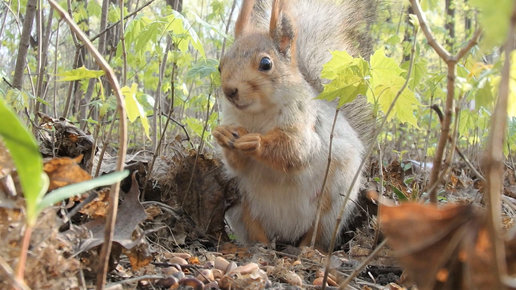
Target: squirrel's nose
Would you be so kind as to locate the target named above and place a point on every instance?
(230, 92)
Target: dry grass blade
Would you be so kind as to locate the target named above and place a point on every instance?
(112, 211)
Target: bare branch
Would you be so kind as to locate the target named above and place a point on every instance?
(441, 51)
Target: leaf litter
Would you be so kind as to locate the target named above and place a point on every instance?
(176, 237)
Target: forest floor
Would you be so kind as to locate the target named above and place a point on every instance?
(171, 234)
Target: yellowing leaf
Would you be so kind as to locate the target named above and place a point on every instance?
(348, 77)
(339, 60)
(81, 73)
(403, 109)
(133, 107)
(383, 67)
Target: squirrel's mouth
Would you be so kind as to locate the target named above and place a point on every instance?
(239, 105)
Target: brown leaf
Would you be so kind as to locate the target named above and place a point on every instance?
(445, 248)
(139, 256)
(98, 207)
(130, 214)
(64, 171)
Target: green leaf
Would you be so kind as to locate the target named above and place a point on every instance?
(339, 61)
(195, 125)
(81, 73)
(203, 68)
(346, 88)
(418, 73)
(403, 109)
(94, 8)
(401, 196)
(209, 27)
(468, 120)
(133, 107)
(484, 98)
(78, 188)
(195, 40)
(383, 67)
(113, 13)
(24, 151)
(348, 78)
(147, 36)
(495, 20)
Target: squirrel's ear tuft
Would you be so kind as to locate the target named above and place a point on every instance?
(243, 22)
(282, 30)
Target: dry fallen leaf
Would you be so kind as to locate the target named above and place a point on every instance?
(63, 171)
(130, 214)
(446, 248)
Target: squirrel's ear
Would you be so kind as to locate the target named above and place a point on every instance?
(244, 18)
(282, 30)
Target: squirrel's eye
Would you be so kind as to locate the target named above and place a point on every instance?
(219, 68)
(265, 64)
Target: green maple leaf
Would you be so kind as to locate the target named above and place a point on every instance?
(348, 77)
(418, 73)
(383, 67)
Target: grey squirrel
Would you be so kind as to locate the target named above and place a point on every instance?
(273, 134)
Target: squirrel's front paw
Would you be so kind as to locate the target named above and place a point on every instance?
(249, 144)
(227, 135)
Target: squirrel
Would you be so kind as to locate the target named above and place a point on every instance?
(274, 136)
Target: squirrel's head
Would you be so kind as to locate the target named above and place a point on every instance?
(260, 65)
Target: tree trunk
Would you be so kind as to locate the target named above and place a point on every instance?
(24, 44)
(409, 32)
(450, 24)
(467, 21)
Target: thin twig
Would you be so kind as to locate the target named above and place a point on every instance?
(199, 149)
(170, 112)
(362, 266)
(227, 28)
(122, 40)
(104, 146)
(380, 198)
(323, 186)
(457, 149)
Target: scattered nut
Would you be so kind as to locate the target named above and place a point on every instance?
(185, 256)
(293, 279)
(178, 260)
(205, 275)
(246, 269)
(169, 271)
(192, 282)
(221, 263)
(231, 266)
